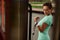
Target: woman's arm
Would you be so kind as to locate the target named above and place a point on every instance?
(41, 29)
(44, 25)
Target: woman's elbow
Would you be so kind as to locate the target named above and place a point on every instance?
(41, 30)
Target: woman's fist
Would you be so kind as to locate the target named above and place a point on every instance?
(36, 19)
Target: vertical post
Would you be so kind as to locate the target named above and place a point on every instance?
(23, 19)
(3, 19)
(57, 20)
(8, 18)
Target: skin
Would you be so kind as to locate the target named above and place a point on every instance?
(47, 12)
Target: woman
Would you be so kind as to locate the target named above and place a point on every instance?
(45, 24)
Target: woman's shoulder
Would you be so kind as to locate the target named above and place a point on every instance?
(50, 17)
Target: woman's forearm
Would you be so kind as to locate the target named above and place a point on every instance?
(40, 29)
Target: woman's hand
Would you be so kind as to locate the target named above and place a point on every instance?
(36, 19)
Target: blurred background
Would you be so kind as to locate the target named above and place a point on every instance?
(16, 19)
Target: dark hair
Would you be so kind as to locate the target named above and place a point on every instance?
(48, 4)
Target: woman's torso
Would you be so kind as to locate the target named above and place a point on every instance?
(44, 35)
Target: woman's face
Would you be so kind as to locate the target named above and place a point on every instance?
(46, 10)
